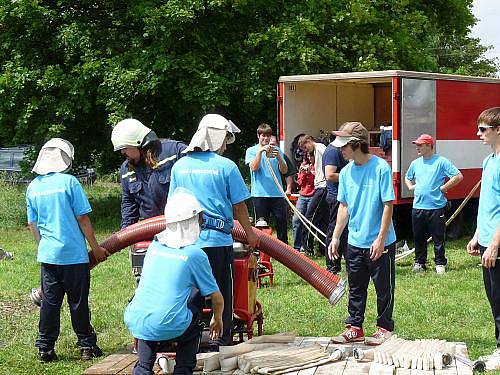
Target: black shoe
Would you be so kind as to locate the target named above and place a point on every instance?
(90, 352)
(47, 356)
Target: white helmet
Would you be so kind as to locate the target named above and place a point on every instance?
(129, 133)
(56, 155)
(181, 205)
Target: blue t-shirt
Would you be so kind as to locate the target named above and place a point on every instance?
(488, 215)
(159, 308)
(333, 156)
(365, 188)
(429, 175)
(263, 184)
(53, 202)
(217, 184)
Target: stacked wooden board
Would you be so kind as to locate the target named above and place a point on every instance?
(122, 364)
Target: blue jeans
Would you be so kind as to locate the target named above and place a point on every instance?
(301, 205)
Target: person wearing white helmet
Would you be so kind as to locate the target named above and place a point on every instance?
(145, 174)
(167, 303)
(57, 209)
(217, 183)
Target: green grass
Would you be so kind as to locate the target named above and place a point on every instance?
(451, 307)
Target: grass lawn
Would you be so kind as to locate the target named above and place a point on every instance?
(451, 307)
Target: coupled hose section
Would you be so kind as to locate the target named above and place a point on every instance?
(329, 285)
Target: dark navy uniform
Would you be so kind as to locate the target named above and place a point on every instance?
(145, 190)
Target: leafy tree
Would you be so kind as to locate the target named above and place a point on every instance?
(73, 69)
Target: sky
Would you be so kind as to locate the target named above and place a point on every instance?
(487, 28)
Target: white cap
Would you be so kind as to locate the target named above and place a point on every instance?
(181, 218)
(56, 155)
(211, 133)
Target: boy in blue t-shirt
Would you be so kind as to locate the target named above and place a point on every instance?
(266, 195)
(426, 178)
(218, 185)
(486, 240)
(365, 194)
(167, 303)
(57, 211)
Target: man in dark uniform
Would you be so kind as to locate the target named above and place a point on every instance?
(145, 175)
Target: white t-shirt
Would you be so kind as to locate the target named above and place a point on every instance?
(319, 178)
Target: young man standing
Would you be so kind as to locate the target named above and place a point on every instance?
(365, 195)
(219, 187)
(426, 178)
(486, 240)
(57, 216)
(266, 195)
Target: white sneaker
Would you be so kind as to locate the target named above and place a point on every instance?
(417, 268)
(440, 269)
(492, 361)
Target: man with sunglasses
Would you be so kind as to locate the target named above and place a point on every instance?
(486, 240)
(426, 177)
(365, 194)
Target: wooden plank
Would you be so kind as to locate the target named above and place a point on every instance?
(125, 362)
(335, 368)
(307, 371)
(422, 372)
(359, 368)
(111, 364)
(403, 371)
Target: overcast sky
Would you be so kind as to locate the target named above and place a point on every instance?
(488, 26)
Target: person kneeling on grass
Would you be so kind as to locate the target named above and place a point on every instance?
(57, 216)
(167, 305)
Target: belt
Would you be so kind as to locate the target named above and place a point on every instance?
(216, 223)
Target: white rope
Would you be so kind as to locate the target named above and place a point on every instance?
(302, 218)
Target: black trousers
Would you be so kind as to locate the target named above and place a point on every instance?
(491, 279)
(222, 262)
(74, 281)
(429, 223)
(185, 354)
(335, 265)
(263, 208)
(360, 268)
(318, 213)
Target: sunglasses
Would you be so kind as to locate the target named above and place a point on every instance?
(483, 128)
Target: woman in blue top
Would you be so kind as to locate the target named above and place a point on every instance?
(486, 240)
(365, 195)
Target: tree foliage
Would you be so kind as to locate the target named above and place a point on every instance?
(74, 68)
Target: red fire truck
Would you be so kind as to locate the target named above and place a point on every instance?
(444, 106)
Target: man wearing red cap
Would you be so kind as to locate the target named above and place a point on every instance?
(426, 178)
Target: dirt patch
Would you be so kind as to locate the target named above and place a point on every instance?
(13, 309)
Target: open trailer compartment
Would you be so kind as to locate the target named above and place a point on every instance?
(444, 106)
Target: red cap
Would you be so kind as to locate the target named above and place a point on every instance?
(424, 139)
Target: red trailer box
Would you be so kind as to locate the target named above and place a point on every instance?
(444, 106)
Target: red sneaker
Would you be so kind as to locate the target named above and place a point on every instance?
(351, 334)
(378, 337)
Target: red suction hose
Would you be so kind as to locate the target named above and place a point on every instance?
(323, 281)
